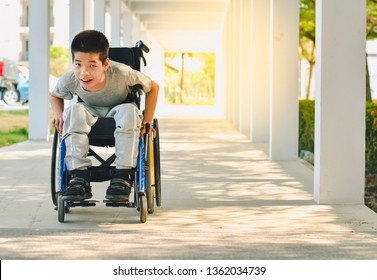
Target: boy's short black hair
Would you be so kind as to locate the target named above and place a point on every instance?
(91, 41)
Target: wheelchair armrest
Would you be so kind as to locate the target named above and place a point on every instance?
(135, 95)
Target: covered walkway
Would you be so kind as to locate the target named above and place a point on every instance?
(223, 198)
(256, 44)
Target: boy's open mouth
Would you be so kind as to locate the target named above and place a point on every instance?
(85, 82)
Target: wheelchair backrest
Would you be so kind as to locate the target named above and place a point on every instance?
(129, 56)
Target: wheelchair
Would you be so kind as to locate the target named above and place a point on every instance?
(146, 176)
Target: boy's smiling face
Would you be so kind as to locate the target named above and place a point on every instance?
(90, 70)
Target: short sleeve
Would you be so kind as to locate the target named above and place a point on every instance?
(66, 86)
(133, 77)
(138, 78)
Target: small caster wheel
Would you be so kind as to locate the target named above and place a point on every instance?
(61, 208)
(143, 208)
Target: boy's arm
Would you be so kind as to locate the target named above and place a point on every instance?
(57, 105)
(150, 105)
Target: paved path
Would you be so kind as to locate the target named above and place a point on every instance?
(222, 199)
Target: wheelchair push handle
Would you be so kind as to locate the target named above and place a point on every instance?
(142, 46)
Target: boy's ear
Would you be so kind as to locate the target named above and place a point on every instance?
(107, 63)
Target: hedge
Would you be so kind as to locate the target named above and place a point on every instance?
(306, 132)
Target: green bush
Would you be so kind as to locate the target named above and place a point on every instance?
(371, 138)
(306, 132)
(306, 125)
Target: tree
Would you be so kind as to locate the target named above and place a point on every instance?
(307, 37)
(58, 60)
(371, 19)
(190, 78)
(370, 34)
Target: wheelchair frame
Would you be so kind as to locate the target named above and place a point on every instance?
(146, 177)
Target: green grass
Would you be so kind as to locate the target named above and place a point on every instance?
(13, 127)
(13, 136)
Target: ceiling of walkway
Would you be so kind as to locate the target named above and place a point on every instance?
(182, 25)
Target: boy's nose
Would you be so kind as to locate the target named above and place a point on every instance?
(84, 71)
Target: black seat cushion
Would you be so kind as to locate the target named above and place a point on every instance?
(102, 133)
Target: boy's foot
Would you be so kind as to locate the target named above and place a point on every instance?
(78, 186)
(120, 186)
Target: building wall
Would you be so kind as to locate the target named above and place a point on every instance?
(11, 30)
(14, 31)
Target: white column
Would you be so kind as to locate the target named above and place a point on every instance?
(39, 43)
(227, 69)
(61, 37)
(76, 17)
(76, 20)
(135, 30)
(155, 67)
(99, 15)
(260, 71)
(235, 93)
(115, 22)
(340, 102)
(87, 11)
(244, 64)
(127, 26)
(284, 79)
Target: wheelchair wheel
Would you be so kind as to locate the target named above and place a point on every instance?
(149, 170)
(157, 170)
(54, 167)
(143, 208)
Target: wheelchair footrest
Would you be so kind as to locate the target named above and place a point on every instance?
(111, 203)
(84, 203)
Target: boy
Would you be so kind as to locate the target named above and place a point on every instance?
(102, 85)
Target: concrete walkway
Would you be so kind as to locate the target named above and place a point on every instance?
(222, 199)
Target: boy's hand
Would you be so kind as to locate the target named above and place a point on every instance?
(57, 105)
(57, 123)
(143, 129)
